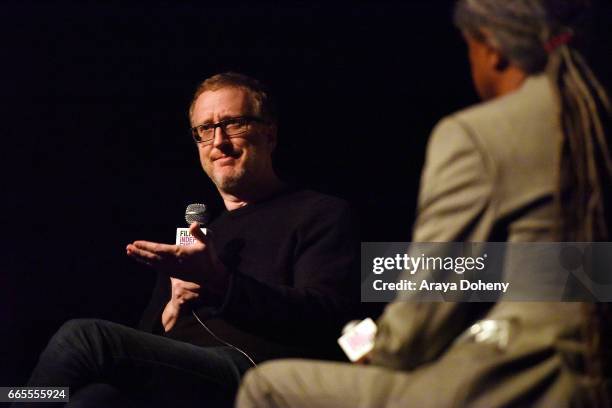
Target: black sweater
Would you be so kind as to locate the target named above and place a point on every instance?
(294, 280)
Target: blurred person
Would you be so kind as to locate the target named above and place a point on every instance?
(531, 163)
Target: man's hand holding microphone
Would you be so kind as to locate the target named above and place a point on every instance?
(195, 271)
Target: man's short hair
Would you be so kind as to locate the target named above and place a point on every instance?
(259, 94)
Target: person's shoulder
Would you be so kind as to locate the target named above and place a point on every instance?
(533, 102)
(311, 199)
(520, 120)
(305, 210)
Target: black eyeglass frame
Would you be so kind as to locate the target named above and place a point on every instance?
(222, 124)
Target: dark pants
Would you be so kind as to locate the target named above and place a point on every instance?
(107, 364)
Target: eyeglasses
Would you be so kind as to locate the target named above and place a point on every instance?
(205, 133)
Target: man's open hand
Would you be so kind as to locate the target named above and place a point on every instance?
(197, 263)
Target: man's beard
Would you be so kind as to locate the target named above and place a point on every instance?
(231, 183)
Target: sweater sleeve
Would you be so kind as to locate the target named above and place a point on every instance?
(325, 289)
(150, 320)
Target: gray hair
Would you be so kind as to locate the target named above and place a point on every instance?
(523, 31)
(519, 29)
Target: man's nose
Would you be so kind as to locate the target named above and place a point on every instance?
(219, 137)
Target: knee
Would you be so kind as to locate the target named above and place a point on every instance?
(250, 393)
(76, 327)
(256, 387)
(77, 332)
(66, 344)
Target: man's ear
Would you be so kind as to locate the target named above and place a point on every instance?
(501, 63)
(495, 59)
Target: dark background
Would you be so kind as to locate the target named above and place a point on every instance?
(95, 151)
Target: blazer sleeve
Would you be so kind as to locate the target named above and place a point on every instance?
(455, 191)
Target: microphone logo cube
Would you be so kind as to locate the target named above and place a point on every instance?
(358, 340)
(183, 237)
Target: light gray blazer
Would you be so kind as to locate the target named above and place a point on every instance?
(489, 175)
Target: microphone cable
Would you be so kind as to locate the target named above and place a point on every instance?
(220, 340)
(197, 212)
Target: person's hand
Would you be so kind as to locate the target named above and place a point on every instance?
(182, 293)
(197, 263)
(364, 360)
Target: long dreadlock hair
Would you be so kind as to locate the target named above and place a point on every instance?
(549, 36)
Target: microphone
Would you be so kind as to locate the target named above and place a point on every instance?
(195, 212)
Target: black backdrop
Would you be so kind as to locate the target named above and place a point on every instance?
(95, 151)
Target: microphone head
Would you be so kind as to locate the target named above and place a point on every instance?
(197, 213)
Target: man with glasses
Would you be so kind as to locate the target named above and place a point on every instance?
(277, 278)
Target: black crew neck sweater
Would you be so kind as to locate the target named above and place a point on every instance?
(294, 260)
